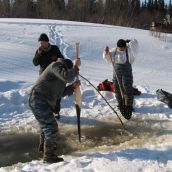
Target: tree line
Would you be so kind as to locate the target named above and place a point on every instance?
(130, 13)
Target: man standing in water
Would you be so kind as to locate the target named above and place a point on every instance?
(121, 58)
(51, 86)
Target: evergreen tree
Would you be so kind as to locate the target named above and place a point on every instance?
(170, 8)
(161, 6)
(156, 5)
(149, 5)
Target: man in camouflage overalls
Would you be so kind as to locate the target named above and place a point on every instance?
(50, 86)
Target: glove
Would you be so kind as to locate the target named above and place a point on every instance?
(77, 63)
(76, 84)
(127, 40)
(106, 50)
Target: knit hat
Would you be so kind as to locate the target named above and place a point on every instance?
(69, 63)
(121, 43)
(43, 37)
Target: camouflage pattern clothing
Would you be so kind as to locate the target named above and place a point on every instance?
(50, 86)
(44, 115)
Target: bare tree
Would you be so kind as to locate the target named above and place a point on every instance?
(118, 12)
(51, 8)
(5, 10)
(20, 8)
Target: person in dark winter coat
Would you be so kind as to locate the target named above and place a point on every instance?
(122, 57)
(51, 86)
(45, 55)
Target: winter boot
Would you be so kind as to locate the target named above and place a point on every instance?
(128, 112)
(122, 109)
(50, 156)
(41, 143)
(128, 107)
(120, 104)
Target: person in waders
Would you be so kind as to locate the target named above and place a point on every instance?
(121, 58)
(51, 86)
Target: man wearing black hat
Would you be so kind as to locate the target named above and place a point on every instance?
(46, 53)
(51, 86)
(122, 57)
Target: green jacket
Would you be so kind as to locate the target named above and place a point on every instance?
(51, 84)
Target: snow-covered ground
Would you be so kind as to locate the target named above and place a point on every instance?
(144, 144)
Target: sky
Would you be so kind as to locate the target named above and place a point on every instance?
(142, 144)
(166, 1)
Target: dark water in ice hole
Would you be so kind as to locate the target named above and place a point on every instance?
(16, 148)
